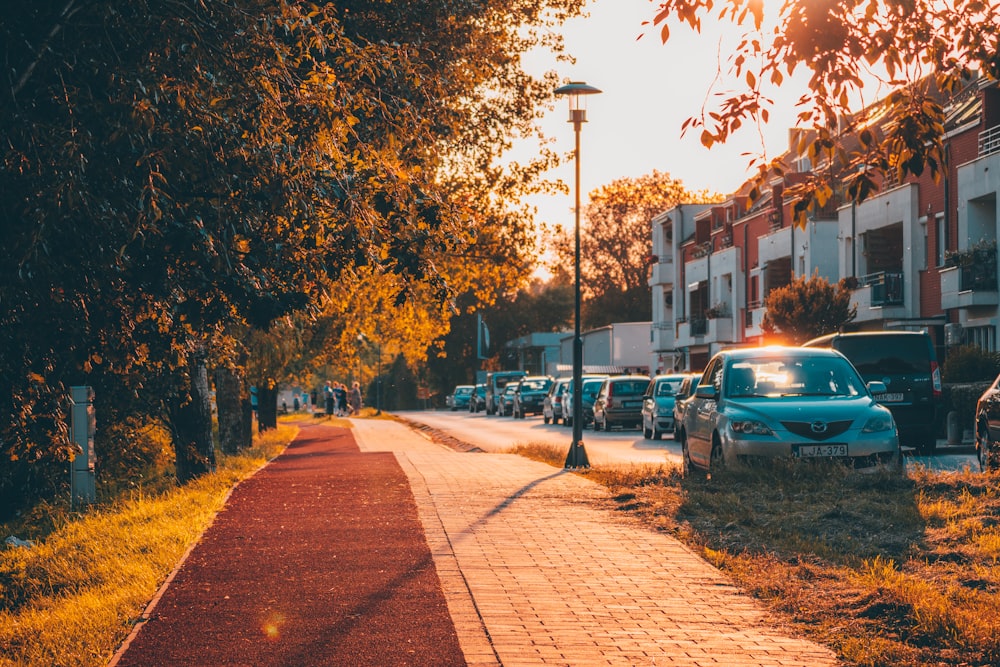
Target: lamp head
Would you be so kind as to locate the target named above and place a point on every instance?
(575, 91)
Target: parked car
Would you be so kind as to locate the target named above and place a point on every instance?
(988, 427)
(459, 398)
(552, 405)
(477, 401)
(496, 383)
(505, 404)
(658, 405)
(530, 394)
(797, 402)
(905, 362)
(591, 385)
(681, 396)
(619, 402)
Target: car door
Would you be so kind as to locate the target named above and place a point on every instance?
(599, 401)
(991, 410)
(649, 406)
(699, 415)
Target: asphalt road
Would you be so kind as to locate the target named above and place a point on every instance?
(628, 446)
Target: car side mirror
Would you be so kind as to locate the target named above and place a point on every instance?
(877, 387)
(705, 391)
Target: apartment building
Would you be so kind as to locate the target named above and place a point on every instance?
(917, 255)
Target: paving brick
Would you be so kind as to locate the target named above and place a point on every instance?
(535, 567)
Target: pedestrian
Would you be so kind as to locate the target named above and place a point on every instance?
(328, 398)
(355, 399)
(340, 392)
(295, 403)
(314, 401)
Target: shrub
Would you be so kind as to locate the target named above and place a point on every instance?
(970, 363)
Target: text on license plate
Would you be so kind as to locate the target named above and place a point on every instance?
(889, 398)
(809, 451)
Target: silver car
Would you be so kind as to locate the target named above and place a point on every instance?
(773, 402)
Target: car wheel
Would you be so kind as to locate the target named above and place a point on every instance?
(717, 460)
(987, 453)
(687, 467)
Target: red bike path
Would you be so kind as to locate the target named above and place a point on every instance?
(317, 559)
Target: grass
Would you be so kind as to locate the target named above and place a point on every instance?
(884, 570)
(72, 598)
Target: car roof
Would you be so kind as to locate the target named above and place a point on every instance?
(861, 334)
(778, 350)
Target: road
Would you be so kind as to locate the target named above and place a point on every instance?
(615, 447)
(501, 433)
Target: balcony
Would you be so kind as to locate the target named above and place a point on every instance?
(886, 288)
(968, 287)
(989, 141)
(663, 271)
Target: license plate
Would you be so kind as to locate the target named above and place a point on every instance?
(889, 398)
(811, 451)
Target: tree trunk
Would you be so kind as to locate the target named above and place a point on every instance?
(267, 407)
(191, 423)
(234, 436)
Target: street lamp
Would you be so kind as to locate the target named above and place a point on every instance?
(577, 456)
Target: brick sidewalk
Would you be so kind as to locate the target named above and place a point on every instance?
(537, 573)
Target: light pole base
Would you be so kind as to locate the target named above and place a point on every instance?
(577, 456)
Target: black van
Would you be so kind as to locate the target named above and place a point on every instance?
(905, 362)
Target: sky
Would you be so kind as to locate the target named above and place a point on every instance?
(648, 90)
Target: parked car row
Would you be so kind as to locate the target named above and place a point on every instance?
(856, 397)
(607, 401)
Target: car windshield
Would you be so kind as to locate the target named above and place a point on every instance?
(463, 391)
(534, 385)
(778, 377)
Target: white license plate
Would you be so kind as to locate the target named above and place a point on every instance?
(811, 451)
(889, 398)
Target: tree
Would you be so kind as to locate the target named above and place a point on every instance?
(616, 243)
(914, 47)
(806, 308)
(178, 173)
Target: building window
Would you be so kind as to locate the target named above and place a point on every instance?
(983, 337)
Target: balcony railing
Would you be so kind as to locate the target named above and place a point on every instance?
(980, 277)
(886, 288)
(699, 327)
(989, 141)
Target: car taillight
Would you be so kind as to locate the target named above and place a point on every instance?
(936, 379)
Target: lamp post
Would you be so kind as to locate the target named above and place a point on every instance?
(577, 456)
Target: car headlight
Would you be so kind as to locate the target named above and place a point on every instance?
(750, 426)
(878, 424)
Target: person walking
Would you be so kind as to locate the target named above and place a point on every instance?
(340, 393)
(328, 398)
(355, 399)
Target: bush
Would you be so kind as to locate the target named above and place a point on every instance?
(970, 363)
(962, 398)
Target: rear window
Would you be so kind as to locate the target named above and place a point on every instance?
(630, 387)
(900, 355)
(535, 385)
